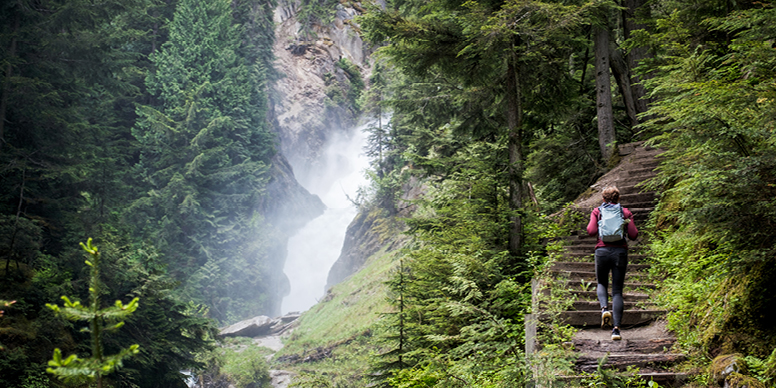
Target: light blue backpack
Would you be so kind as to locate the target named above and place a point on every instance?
(611, 224)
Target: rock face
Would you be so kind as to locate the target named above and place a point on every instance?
(364, 236)
(294, 205)
(287, 207)
(304, 118)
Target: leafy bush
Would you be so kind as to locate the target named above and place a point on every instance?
(245, 365)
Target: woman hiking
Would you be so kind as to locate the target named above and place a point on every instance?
(611, 254)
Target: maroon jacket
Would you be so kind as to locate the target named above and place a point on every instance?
(592, 229)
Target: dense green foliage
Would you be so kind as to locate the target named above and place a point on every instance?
(140, 123)
(143, 123)
(714, 115)
(462, 288)
(709, 69)
(205, 154)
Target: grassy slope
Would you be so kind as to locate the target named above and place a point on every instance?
(344, 323)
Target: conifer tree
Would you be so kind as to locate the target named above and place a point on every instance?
(206, 150)
(499, 56)
(100, 320)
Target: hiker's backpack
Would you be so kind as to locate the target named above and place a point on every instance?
(611, 223)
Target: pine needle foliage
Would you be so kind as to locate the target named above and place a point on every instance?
(73, 368)
(207, 147)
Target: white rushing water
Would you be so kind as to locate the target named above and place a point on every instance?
(315, 248)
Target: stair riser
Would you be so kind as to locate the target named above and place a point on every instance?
(589, 277)
(590, 365)
(653, 346)
(591, 285)
(593, 318)
(591, 295)
(590, 267)
(628, 186)
(594, 306)
(587, 248)
(642, 171)
(645, 160)
(590, 258)
(638, 197)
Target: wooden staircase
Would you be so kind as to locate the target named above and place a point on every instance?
(645, 343)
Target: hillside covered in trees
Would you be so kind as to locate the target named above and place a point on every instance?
(509, 109)
(147, 126)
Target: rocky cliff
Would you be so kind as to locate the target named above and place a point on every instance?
(306, 112)
(372, 231)
(305, 115)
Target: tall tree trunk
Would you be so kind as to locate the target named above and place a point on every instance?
(603, 93)
(7, 80)
(630, 13)
(514, 124)
(623, 77)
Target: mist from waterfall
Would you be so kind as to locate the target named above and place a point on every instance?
(315, 248)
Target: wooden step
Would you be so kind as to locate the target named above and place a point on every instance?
(628, 286)
(589, 246)
(644, 346)
(586, 305)
(637, 197)
(589, 364)
(593, 318)
(590, 277)
(634, 184)
(590, 257)
(626, 296)
(590, 266)
(641, 171)
(640, 207)
(641, 159)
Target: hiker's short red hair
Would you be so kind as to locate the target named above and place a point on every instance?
(611, 194)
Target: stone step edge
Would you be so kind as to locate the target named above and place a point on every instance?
(630, 318)
(572, 274)
(587, 305)
(630, 357)
(624, 346)
(658, 377)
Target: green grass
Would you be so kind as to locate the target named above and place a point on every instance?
(348, 310)
(344, 323)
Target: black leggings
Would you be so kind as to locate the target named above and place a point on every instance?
(613, 259)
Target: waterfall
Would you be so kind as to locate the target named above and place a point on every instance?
(315, 248)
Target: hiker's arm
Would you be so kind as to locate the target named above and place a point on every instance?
(592, 226)
(633, 233)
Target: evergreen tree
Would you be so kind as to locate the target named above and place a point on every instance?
(74, 369)
(498, 57)
(206, 150)
(72, 71)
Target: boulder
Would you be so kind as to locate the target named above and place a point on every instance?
(260, 326)
(254, 327)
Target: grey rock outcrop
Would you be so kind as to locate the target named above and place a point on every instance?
(304, 121)
(260, 326)
(366, 234)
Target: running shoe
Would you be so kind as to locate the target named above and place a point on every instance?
(616, 335)
(606, 318)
